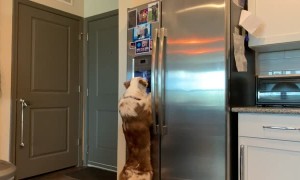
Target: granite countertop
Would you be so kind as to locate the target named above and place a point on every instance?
(275, 110)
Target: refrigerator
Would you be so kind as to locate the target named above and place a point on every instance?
(182, 48)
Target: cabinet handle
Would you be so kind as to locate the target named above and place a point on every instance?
(242, 161)
(282, 128)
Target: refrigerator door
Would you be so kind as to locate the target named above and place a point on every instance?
(193, 145)
(144, 25)
(155, 131)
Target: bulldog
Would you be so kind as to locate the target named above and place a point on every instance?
(135, 110)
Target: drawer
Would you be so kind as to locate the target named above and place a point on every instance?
(270, 126)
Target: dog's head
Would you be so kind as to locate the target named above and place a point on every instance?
(136, 85)
(135, 99)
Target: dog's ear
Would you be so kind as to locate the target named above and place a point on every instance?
(143, 82)
(126, 84)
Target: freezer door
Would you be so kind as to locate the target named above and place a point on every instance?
(193, 144)
(143, 26)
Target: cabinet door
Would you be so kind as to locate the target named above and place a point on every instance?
(279, 29)
(264, 159)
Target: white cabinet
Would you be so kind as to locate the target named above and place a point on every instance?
(281, 26)
(269, 146)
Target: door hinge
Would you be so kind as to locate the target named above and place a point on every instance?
(87, 91)
(82, 36)
(79, 142)
(87, 149)
(79, 89)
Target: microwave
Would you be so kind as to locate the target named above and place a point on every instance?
(278, 91)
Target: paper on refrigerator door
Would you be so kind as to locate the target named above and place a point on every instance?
(240, 3)
(249, 21)
(239, 53)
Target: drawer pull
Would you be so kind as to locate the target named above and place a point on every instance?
(282, 128)
(242, 161)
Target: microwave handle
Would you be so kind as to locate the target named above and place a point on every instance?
(281, 128)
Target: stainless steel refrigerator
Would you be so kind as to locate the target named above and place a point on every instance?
(181, 47)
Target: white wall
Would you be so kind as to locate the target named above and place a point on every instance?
(83, 8)
(75, 8)
(95, 7)
(134, 3)
(123, 5)
(5, 76)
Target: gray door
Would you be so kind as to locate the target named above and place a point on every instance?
(103, 92)
(47, 79)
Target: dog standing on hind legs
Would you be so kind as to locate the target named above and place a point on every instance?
(135, 110)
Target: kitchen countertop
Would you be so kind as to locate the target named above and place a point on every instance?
(275, 110)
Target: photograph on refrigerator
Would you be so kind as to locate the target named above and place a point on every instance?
(131, 19)
(131, 45)
(142, 46)
(153, 12)
(142, 16)
(142, 32)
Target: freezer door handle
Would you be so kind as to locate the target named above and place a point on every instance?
(154, 98)
(161, 81)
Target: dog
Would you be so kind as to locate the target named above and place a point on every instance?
(135, 110)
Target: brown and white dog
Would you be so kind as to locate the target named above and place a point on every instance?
(135, 110)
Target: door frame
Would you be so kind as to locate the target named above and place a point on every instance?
(14, 74)
(85, 77)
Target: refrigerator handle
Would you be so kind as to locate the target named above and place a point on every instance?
(154, 98)
(161, 81)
